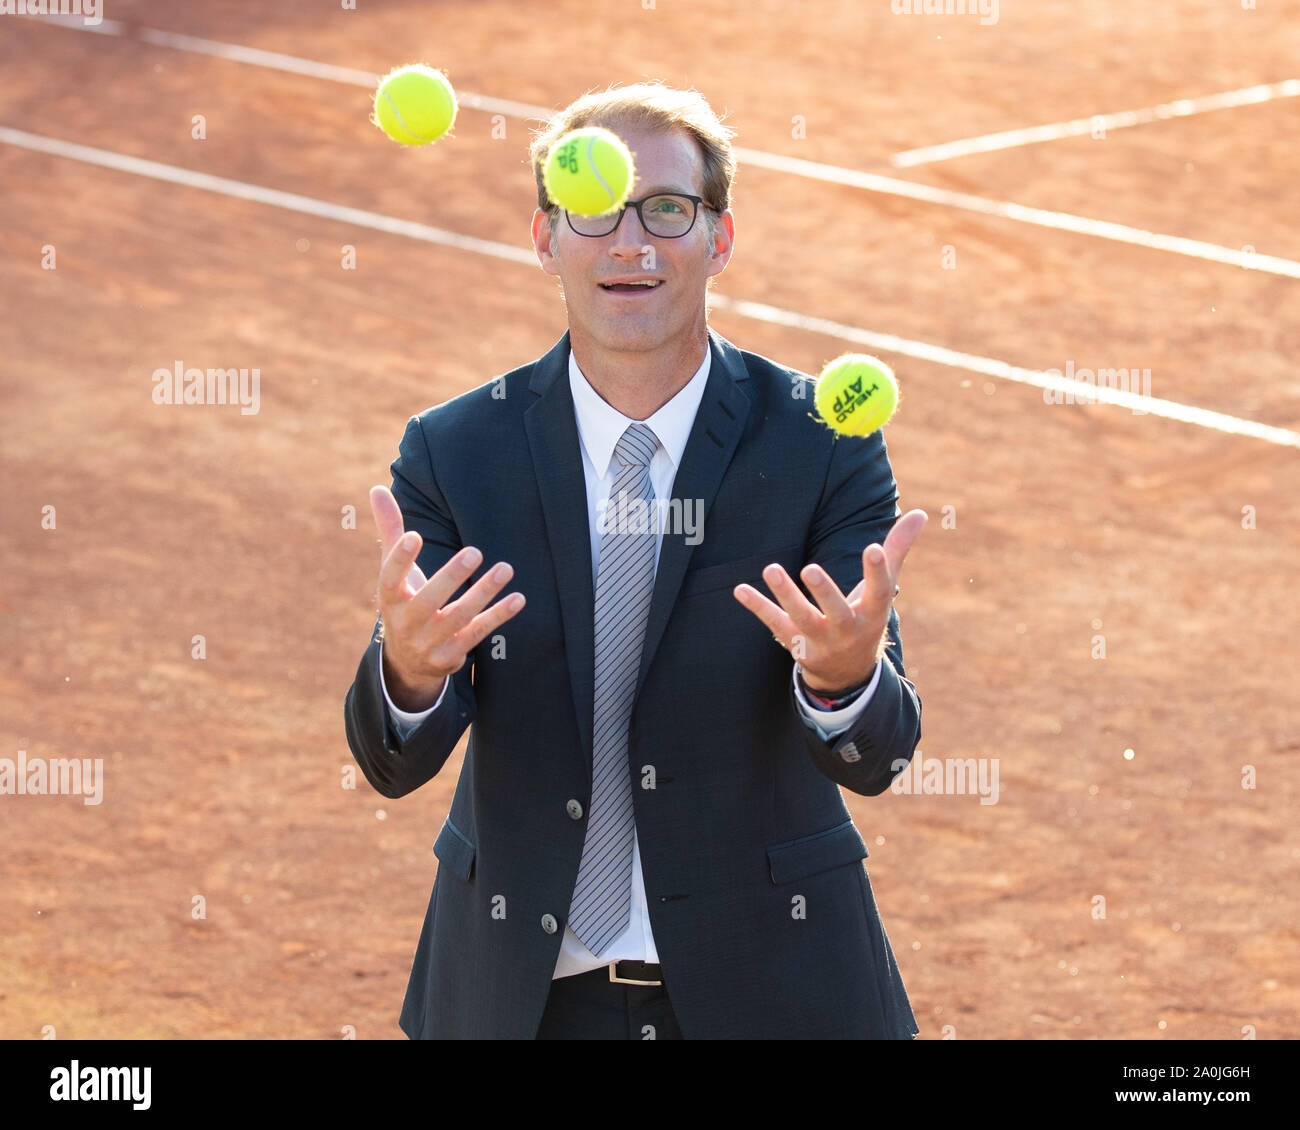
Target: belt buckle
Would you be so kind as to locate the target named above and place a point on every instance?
(616, 979)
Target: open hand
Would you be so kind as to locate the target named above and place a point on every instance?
(425, 638)
(838, 641)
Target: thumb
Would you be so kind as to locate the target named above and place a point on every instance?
(388, 517)
(901, 537)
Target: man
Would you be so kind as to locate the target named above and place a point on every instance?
(647, 839)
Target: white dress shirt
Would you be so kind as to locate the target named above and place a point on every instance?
(600, 426)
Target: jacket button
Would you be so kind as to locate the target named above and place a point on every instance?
(549, 924)
(574, 809)
(850, 753)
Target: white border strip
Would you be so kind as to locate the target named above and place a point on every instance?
(754, 310)
(831, 174)
(1078, 127)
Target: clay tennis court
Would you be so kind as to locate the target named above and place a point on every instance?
(1171, 540)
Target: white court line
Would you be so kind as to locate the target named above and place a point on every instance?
(1062, 221)
(291, 64)
(256, 193)
(812, 170)
(939, 355)
(754, 310)
(1078, 127)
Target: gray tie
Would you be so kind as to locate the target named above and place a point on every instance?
(602, 896)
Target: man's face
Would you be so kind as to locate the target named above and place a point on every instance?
(646, 318)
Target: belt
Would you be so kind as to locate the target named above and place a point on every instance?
(635, 973)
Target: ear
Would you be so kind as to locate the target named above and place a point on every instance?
(724, 242)
(543, 243)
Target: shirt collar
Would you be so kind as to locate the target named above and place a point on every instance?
(601, 425)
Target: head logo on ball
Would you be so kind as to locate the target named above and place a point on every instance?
(856, 394)
(589, 171)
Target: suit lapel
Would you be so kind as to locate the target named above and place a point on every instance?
(718, 425)
(552, 431)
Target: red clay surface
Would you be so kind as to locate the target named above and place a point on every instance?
(223, 775)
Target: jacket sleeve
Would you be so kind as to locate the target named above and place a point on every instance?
(858, 507)
(393, 765)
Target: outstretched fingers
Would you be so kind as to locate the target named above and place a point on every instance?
(400, 578)
(388, 521)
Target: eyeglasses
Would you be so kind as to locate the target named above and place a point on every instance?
(668, 215)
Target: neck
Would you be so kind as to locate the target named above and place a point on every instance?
(639, 383)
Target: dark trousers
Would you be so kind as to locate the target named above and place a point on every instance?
(592, 1007)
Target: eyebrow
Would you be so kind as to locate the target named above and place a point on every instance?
(654, 189)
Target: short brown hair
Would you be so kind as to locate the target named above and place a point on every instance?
(650, 106)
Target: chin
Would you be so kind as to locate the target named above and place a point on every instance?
(632, 338)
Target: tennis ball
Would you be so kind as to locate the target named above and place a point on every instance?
(589, 171)
(856, 394)
(414, 105)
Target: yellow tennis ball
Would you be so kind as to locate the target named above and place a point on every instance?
(856, 394)
(414, 105)
(589, 171)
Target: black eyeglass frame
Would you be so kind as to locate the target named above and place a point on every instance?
(698, 201)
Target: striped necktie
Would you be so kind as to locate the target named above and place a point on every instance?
(602, 896)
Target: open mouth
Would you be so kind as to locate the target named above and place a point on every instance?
(632, 288)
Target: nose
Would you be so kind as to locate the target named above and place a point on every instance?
(629, 238)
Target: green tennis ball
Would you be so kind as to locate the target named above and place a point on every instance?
(589, 171)
(414, 105)
(856, 394)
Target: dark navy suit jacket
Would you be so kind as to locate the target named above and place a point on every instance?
(762, 911)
